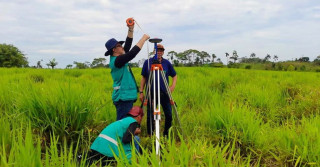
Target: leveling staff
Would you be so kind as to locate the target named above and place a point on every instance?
(124, 85)
(164, 98)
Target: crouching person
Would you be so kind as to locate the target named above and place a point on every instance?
(116, 139)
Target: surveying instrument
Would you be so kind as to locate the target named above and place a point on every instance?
(153, 84)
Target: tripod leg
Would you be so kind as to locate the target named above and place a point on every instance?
(174, 106)
(147, 107)
(156, 109)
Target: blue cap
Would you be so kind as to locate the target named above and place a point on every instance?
(110, 44)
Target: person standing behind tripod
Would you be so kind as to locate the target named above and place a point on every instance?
(124, 85)
(164, 98)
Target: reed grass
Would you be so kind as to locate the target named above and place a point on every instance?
(230, 117)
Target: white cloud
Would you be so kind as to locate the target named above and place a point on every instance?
(56, 51)
(53, 29)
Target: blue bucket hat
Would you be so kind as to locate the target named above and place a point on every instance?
(110, 44)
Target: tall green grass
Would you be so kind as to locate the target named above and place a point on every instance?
(58, 108)
(230, 117)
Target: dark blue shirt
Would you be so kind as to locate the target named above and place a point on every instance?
(167, 68)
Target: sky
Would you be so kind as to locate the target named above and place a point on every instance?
(77, 30)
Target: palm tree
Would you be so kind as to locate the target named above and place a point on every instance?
(52, 63)
(213, 57)
(227, 55)
(172, 55)
(235, 56)
(39, 64)
(253, 55)
(267, 57)
(69, 66)
(275, 58)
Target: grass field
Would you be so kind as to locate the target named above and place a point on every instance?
(230, 117)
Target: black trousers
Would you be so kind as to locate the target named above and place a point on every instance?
(94, 156)
(166, 106)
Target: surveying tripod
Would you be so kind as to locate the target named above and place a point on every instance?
(156, 71)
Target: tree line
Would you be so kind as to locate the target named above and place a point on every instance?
(11, 56)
